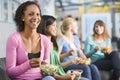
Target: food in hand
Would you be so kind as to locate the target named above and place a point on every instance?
(106, 50)
(44, 61)
(86, 61)
(76, 72)
(48, 69)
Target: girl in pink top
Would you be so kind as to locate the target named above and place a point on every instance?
(27, 49)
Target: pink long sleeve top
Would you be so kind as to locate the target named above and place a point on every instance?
(17, 62)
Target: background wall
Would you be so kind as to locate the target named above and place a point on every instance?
(5, 30)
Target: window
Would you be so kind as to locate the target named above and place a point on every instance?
(1, 9)
(5, 10)
(14, 7)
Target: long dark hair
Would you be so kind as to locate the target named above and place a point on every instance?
(46, 21)
(20, 12)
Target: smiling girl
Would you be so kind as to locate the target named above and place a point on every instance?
(95, 46)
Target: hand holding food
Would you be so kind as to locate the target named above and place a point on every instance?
(48, 69)
(44, 62)
(77, 73)
(97, 48)
(85, 61)
(34, 62)
(106, 50)
(68, 77)
(76, 60)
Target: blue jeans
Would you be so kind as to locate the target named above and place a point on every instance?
(51, 78)
(48, 78)
(90, 72)
(82, 78)
(95, 72)
(111, 61)
(86, 70)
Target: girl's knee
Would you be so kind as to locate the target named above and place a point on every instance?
(114, 54)
(94, 68)
(82, 78)
(87, 69)
(48, 78)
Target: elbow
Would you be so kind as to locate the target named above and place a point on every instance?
(61, 58)
(11, 73)
(87, 55)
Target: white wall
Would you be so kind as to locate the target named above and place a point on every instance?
(117, 25)
(5, 30)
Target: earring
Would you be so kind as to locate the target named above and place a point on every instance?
(22, 19)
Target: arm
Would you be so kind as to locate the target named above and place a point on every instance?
(66, 54)
(109, 43)
(66, 77)
(46, 44)
(77, 42)
(14, 70)
(72, 61)
(82, 55)
(87, 49)
(62, 56)
(66, 64)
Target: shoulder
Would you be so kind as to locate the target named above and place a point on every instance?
(61, 40)
(75, 37)
(108, 40)
(44, 38)
(14, 36)
(14, 39)
(89, 38)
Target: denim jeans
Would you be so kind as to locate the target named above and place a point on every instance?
(86, 70)
(51, 78)
(90, 72)
(82, 78)
(95, 72)
(111, 61)
(48, 78)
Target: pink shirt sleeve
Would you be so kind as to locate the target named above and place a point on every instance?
(12, 68)
(46, 43)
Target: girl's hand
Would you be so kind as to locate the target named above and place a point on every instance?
(44, 61)
(85, 61)
(71, 52)
(97, 48)
(106, 50)
(34, 62)
(76, 60)
(70, 76)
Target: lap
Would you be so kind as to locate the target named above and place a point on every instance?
(103, 64)
(82, 78)
(83, 67)
(48, 78)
